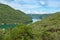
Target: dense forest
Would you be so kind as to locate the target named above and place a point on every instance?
(46, 29)
(10, 17)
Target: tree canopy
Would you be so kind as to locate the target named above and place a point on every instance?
(8, 15)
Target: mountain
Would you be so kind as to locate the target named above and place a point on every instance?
(48, 28)
(8, 15)
(38, 16)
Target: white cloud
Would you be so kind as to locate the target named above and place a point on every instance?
(27, 1)
(42, 2)
(36, 12)
(2, 1)
(16, 5)
(40, 12)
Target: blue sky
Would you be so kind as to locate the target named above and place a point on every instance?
(34, 6)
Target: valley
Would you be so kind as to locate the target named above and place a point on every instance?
(17, 25)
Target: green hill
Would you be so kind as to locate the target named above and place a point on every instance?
(8, 15)
(48, 28)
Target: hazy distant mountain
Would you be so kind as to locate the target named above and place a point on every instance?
(38, 16)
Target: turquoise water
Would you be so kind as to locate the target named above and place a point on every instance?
(14, 25)
(8, 26)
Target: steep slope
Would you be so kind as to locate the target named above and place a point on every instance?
(51, 20)
(48, 28)
(9, 15)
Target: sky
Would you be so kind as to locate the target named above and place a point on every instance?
(34, 6)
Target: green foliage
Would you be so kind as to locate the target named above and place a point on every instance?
(2, 33)
(9, 15)
(20, 32)
(48, 28)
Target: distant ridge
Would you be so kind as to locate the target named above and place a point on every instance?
(38, 16)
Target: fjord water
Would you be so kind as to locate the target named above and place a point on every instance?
(7, 26)
(35, 20)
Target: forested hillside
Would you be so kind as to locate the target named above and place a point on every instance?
(46, 29)
(8, 15)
